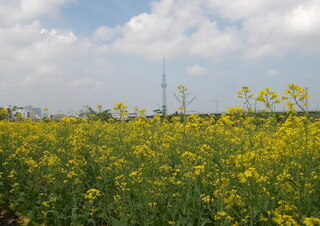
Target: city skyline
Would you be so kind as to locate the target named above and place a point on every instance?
(67, 54)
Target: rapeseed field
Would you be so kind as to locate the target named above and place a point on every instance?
(238, 169)
(243, 168)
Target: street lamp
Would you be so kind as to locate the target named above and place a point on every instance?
(217, 105)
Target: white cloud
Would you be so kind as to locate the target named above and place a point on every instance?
(243, 9)
(259, 28)
(43, 75)
(272, 73)
(31, 56)
(276, 32)
(105, 33)
(209, 41)
(147, 34)
(308, 75)
(17, 11)
(6, 85)
(86, 82)
(58, 37)
(197, 70)
(174, 28)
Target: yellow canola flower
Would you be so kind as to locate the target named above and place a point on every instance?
(24, 220)
(198, 169)
(182, 88)
(152, 204)
(92, 194)
(235, 110)
(206, 198)
(120, 106)
(311, 221)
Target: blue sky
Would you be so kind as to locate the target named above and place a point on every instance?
(84, 16)
(64, 54)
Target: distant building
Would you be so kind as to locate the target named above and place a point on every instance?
(28, 108)
(38, 112)
(118, 116)
(57, 117)
(129, 116)
(32, 113)
(132, 115)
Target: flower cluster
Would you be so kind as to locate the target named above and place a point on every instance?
(294, 94)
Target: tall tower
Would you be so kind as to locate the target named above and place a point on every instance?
(164, 90)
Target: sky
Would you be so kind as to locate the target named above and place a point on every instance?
(66, 54)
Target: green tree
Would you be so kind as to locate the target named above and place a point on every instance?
(98, 114)
(3, 113)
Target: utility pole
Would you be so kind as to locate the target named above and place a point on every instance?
(164, 90)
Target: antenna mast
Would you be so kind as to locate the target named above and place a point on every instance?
(164, 90)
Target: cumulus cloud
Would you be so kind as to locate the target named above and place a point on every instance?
(178, 27)
(308, 75)
(197, 70)
(236, 10)
(86, 82)
(272, 73)
(105, 34)
(276, 32)
(43, 75)
(147, 34)
(21, 10)
(259, 28)
(210, 41)
(173, 28)
(32, 56)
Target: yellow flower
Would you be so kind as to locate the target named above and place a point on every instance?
(152, 204)
(182, 89)
(24, 220)
(311, 221)
(92, 194)
(205, 198)
(199, 169)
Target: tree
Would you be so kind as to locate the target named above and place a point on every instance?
(91, 114)
(3, 113)
(12, 111)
